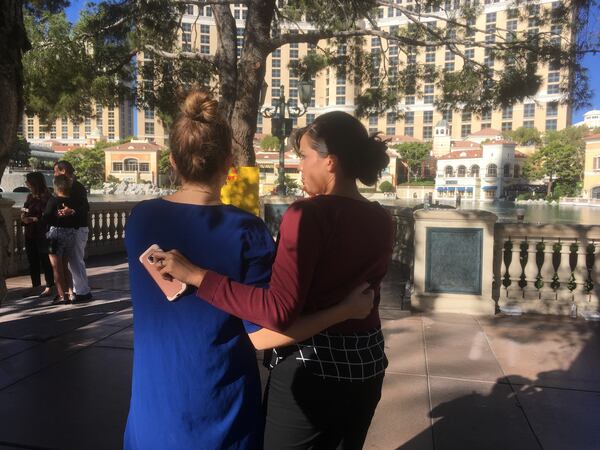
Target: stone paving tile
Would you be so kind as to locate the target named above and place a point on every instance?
(404, 346)
(79, 403)
(9, 347)
(547, 351)
(401, 420)
(122, 339)
(478, 415)
(459, 349)
(563, 419)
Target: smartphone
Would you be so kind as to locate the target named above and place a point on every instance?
(173, 289)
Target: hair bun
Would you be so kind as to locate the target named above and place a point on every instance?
(200, 106)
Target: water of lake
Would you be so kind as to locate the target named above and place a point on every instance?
(506, 211)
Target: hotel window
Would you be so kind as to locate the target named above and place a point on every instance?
(186, 37)
(42, 131)
(149, 128)
(390, 131)
(492, 171)
(447, 115)
(189, 9)
(462, 171)
(465, 130)
(131, 165)
(449, 56)
(427, 132)
(240, 42)
(551, 124)
(516, 171)
(486, 114)
(553, 82)
(293, 53)
(149, 114)
(87, 126)
(144, 167)
(75, 130)
(465, 116)
(390, 118)
(470, 53)
(506, 126)
(53, 132)
(529, 111)
(449, 171)
(276, 63)
(373, 120)
(512, 13)
(551, 109)
(275, 74)
(409, 117)
(205, 39)
(117, 167)
(506, 170)
(340, 95)
(428, 91)
(409, 131)
(597, 163)
(20, 130)
(427, 116)
(64, 130)
(310, 118)
(475, 171)
(293, 89)
(409, 100)
(528, 124)
(507, 112)
(490, 17)
(449, 67)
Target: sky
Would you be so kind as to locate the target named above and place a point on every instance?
(591, 62)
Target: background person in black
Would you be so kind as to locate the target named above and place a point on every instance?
(76, 262)
(36, 244)
(61, 235)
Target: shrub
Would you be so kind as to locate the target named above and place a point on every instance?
(386, 186)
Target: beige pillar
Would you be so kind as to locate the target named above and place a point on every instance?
(453, 261)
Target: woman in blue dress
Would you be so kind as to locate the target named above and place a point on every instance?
(195, 377)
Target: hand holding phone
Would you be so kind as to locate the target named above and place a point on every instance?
(173, 289)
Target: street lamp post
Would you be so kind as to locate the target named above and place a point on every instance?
(281, 126)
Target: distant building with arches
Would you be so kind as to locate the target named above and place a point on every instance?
(135, 161)
(482, 167)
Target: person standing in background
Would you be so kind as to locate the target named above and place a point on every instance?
(36, 244)
(76, 256)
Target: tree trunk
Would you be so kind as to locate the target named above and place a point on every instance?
(549, 191)
(13, 42)
(250, 76)
(226, 58)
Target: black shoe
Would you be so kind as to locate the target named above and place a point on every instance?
(58, 300)
(83, 297)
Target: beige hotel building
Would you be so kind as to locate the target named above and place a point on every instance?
(333, 92)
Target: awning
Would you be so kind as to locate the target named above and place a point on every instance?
(490, 188)
(451, 189)
(460, 189)
(469, 189)
(440, 189)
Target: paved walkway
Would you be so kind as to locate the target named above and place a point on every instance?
(454, 382)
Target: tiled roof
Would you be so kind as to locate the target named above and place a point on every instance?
(63, 148)
(487, 132)
(135, 146)
(518, 154)
(499, 141)
(464, 144)
(592, 136)
(462, 154)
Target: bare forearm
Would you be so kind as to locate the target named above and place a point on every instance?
(301, 329)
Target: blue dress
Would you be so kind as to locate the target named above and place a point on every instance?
(195, 377)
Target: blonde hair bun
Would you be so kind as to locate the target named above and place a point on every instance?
(200, 106)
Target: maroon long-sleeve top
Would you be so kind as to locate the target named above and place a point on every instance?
(328, 245)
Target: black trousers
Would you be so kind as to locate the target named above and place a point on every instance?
(305, 411)
(37, 255)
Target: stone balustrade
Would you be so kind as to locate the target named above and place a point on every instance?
(546, 268)
(107, 231)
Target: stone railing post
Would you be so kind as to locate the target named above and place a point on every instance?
(453, 261)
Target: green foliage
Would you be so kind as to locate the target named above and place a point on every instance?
(414, 154)
(20, 153)
(88, 164)
(524, 136)
(33, 162)
(423, 182)
(290, 185)
(561, 159)
(112, 179)
(269, 143)
(386, 186)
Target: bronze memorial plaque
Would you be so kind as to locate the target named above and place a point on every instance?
(453, 263)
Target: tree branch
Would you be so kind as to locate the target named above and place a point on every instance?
(186, 55)
(208, 2)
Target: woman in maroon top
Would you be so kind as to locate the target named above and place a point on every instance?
(322, 392)
(36, 244)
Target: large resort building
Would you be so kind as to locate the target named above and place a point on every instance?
(333, 91)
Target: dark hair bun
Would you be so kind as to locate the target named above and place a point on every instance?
(200, 106)
(373, 160)
(361, 156)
